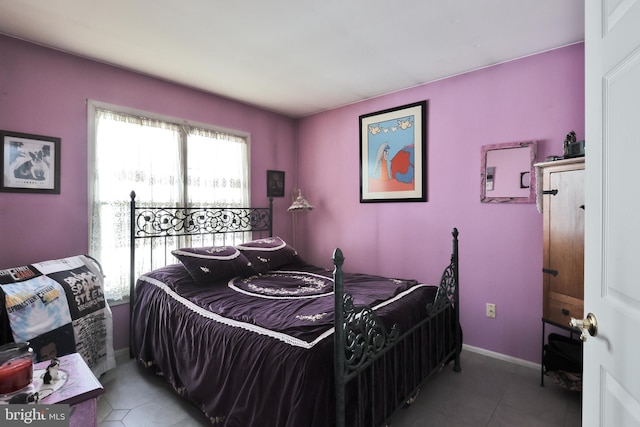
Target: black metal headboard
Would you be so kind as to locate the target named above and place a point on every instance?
(163, 225)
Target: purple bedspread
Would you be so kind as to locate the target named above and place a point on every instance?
(257, 351)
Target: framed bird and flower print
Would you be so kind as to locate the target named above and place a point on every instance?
(393, 154)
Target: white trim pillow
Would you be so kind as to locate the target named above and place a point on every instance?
(210, 264)
(269, 253)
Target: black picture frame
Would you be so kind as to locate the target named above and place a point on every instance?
(393, 154)
(30, 163)
(275, 183)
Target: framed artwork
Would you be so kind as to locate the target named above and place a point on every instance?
(275, 183)
(393, 154)
(30, 163)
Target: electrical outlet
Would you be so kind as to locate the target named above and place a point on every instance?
(491, 310)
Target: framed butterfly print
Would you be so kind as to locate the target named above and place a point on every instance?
(393, 154)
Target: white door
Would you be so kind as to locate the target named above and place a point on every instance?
(611, 394)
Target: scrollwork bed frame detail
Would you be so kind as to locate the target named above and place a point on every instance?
(448, 289)
(158, 222)
(168, 221)
(366, 335)
(363, 340)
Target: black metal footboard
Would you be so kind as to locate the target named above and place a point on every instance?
(378, 371)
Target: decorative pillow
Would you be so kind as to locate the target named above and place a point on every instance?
(208, 264)
(269, 253)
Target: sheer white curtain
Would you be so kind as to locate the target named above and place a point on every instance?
(166, 164)
(217, 175)
(131, 153)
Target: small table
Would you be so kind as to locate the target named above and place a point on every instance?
(80, 390)
(571, 331)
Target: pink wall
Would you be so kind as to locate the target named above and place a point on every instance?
(536, 98)
(44, 92)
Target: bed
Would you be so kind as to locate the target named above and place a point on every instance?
(246, 331)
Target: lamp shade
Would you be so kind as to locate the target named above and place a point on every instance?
(300, 203)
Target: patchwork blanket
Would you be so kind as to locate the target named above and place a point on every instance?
(59, 307)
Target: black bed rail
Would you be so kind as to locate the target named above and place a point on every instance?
(363, 348)
(166, 225)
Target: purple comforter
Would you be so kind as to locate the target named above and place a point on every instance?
(257, 351)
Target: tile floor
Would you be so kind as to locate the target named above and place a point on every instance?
(488, 392)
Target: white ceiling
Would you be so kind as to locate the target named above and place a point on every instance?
(297, 57)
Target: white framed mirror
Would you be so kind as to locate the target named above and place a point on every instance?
(507, 173)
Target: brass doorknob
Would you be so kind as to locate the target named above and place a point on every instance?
(586, 326)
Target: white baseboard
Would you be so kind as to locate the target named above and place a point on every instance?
(501, 356)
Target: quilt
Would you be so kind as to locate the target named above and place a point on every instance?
(59, 307)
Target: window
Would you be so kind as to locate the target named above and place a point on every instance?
(167, 163)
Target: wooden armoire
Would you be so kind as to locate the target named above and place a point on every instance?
(563, 258)
(563, 240)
